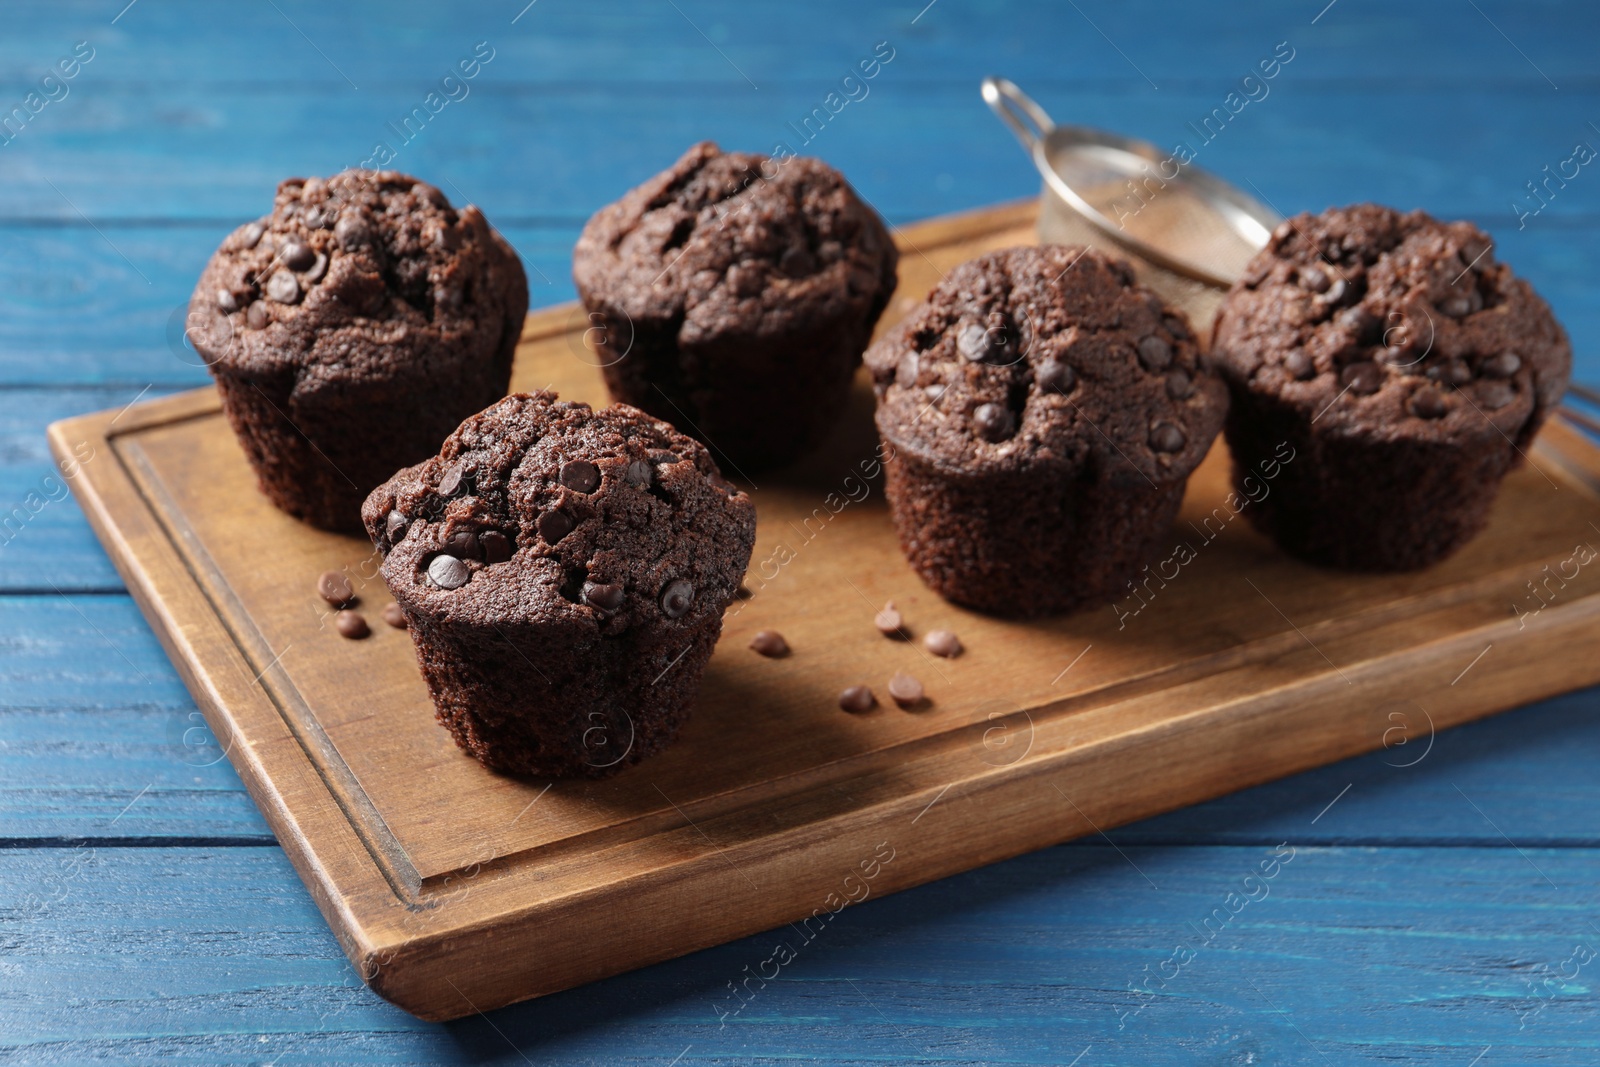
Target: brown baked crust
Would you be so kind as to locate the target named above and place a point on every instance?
(565, 656)
(735, 293)
(1042, 413)
(350, 330)
(1406, 367)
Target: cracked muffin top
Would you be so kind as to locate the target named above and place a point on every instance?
(737, 243)
(1393, 324)
(366, 273)
(544, 511)
(1050, 356)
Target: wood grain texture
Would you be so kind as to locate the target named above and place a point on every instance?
(1290, 668)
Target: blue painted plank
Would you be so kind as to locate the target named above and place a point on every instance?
(1344, 956)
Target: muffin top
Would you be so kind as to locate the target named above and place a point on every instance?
(737, 243)
(543, 511)
(1393, 324)
(1048, 357)
(361, 274)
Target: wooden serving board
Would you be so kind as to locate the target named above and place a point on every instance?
(455, 890)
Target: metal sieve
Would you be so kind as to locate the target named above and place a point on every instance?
(1187, 233)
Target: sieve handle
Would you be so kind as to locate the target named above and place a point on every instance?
(1030, 122)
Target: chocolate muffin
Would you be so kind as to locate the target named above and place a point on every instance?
(1406, 371)
(735, 294)
(563, 572)
(1041, 414)
(351, 330)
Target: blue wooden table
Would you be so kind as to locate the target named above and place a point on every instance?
(1432, 906)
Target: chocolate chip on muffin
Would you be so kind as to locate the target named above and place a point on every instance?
(573, 655)
(736, 294)
(1041, 476)
(351, 330)
(1405, 407)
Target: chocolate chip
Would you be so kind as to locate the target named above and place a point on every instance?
(450, 484)
(297, 255)
(743, 592)
(905, 372)
(580, 476)
(463, 544)
(889, 622)
(1336, 290)
(335, 588)
(770, 643)
(394, 616)
(1450, 372)
(856, 699)
(1055, 376)
(1495, 395)
(676, 598)
(314, 218)
(226, 301)
(973, 342)
(447, 572)
(352, 232)
(350, 624)
(553, 526)
(252, 235)
(1299, 365)
(283, 288)
(640, 473)
(1155, 353)
(318, 268)
(1315, 279)
(431, 194)
(495, 545)
(933, 392)
(1504, 365)
(1459, 305)
(257, 318)
(1166, 437)
(1429, 404)
(1364, 378)
(993, 422)
(905, 689)
(1360, 322)
(943, 643)
(1475, 253)
(1179, 385)
(395, 526)
(604, 596)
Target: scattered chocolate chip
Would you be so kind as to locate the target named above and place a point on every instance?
(283, 288)
(1495, 395)
(226, 301)
(447, 572)
(1315, 279)
(297, 255)
(352, 232)
(1429, 404)
(318, 268)
(640, 473)
(350, 624)
(450, 484)
(1180, 386)
(1055, 376)
(252, 235)
(1364, 377)
(973, 342)
(676, 598)
(604, 596)
(463, 544)
(1504, 365)
(905, 689)
(257, 318)
(335, 588)
(1299, 365)
(856, 699)
(770, 643)
(993, 422)
(553, 526)
(889, 622)
(943, 643)
(580, 476)
(394, 616)
(1167, 437)
(1155, 353)
(395, 526)
(743, 592)
(495, 545)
